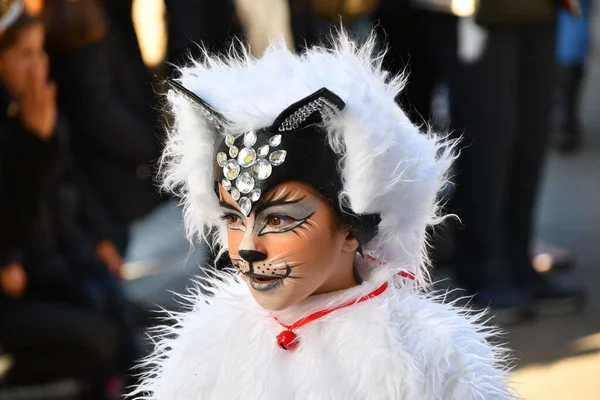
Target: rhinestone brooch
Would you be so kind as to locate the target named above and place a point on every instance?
(246, 167)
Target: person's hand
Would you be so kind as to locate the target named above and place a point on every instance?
(107, 252)
(38, 102)
(13, 279)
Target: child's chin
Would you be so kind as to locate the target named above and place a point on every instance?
(273, 301)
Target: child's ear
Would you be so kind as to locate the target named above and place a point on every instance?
(350, 244)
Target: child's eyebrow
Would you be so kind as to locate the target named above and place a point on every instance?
(224, 204)
(263, 205)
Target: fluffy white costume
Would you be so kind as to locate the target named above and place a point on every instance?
(402, 344)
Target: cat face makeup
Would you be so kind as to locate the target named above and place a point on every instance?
(294, 148)
(290, 247)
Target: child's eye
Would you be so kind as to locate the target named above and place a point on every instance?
(278, 220)
(232, 220)
(280, 223)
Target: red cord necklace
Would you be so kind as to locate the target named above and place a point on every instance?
(288, 340)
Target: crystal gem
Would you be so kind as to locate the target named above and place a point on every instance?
(262, 169)
(233, 151)
(277, 157)
(275, 141)
(263, 151)
(245, 205)
(255, 195)
(226, 183)
(231, 169)
(245, 182)
(221, 159)
(250, 139)
(229, 140)
(247, 157)
(235, 194)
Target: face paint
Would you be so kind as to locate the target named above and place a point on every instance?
(294, 148)
(289, 247)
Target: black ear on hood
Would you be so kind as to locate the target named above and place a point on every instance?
(312, 109)
(213, 116)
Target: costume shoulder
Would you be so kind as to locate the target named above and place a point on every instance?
(192, 343)
(451, 347)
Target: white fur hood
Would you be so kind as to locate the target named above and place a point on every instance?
(388, 166)
(398, 345)
(401, 345)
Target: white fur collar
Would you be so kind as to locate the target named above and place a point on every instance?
(398, 345)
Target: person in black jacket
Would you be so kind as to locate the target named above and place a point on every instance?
(46, 326)
(422, 41)
(44, 339)
(195, 23)
(58, 245)
(505, 92)
(104, 92)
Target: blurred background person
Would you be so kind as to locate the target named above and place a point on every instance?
(47, 330)
(265, 21)
(195, 23)
(573, 42)
(504, 100)
(106, 94)
(421, 37)
(312, 20)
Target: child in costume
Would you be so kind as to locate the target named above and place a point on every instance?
(321, 191)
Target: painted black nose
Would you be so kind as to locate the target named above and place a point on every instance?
(252, 255)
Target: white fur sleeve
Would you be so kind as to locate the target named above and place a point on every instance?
(475, 368)
(453, 350)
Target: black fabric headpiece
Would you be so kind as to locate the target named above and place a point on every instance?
(294, 148)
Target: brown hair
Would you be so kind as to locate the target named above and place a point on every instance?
(73, 23)
(11, 35)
